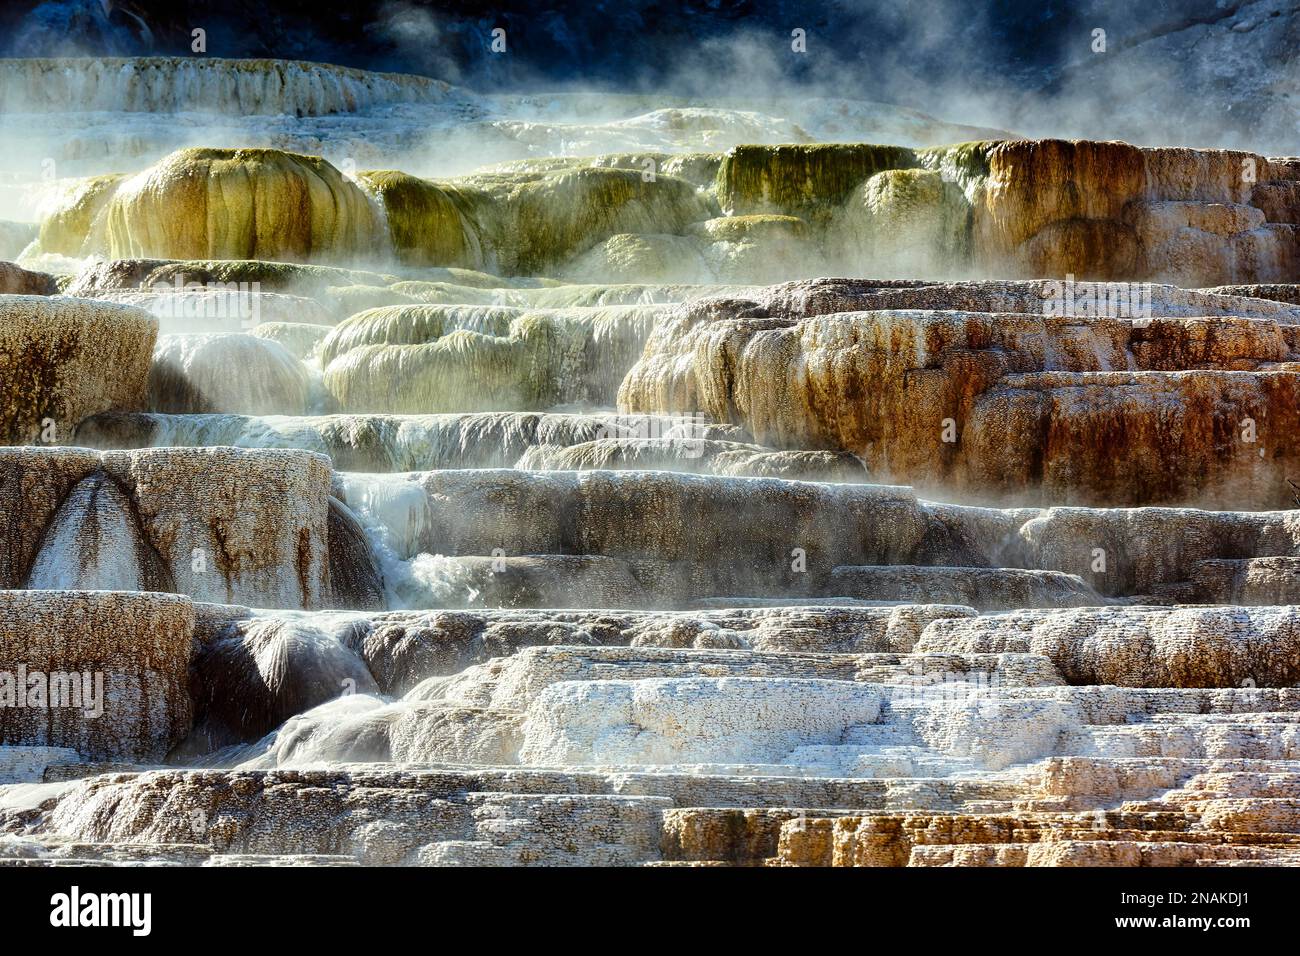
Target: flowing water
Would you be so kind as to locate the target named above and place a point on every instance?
(506, 479)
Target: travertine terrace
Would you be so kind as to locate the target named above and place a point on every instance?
(742, 492)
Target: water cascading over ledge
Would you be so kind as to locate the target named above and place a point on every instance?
(526, 520)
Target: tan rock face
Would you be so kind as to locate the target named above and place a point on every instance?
(1110, 211)
(103, 673)
(218, 524)
(62, 360)
(1097, 210)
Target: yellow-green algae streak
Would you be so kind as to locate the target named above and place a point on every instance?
(242, 204)
(809, 181)
(425, 224)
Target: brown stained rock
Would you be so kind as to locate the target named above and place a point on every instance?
(1036, 208)
(95, 542)
(1105, 838)
(34, 482)
(1212, 439)
(1278, 199)
(246, 510)
(62, 360)
(15, 280)
(733, 835)
(1048, 207)
(1003, 406)
(140, 645)
(220, 524)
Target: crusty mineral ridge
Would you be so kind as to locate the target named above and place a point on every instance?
(1041, 298)
(130, 652)
(62, 360)
(219, 524)
(1141, 647)
(975, 390)
(1280, 292)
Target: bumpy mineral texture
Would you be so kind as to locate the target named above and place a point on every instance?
(62, 360)
(103, 673)
(988, 391)
(220, 524)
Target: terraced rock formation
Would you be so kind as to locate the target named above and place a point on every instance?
(997, 394)
(1013, 208)
(572, 512)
